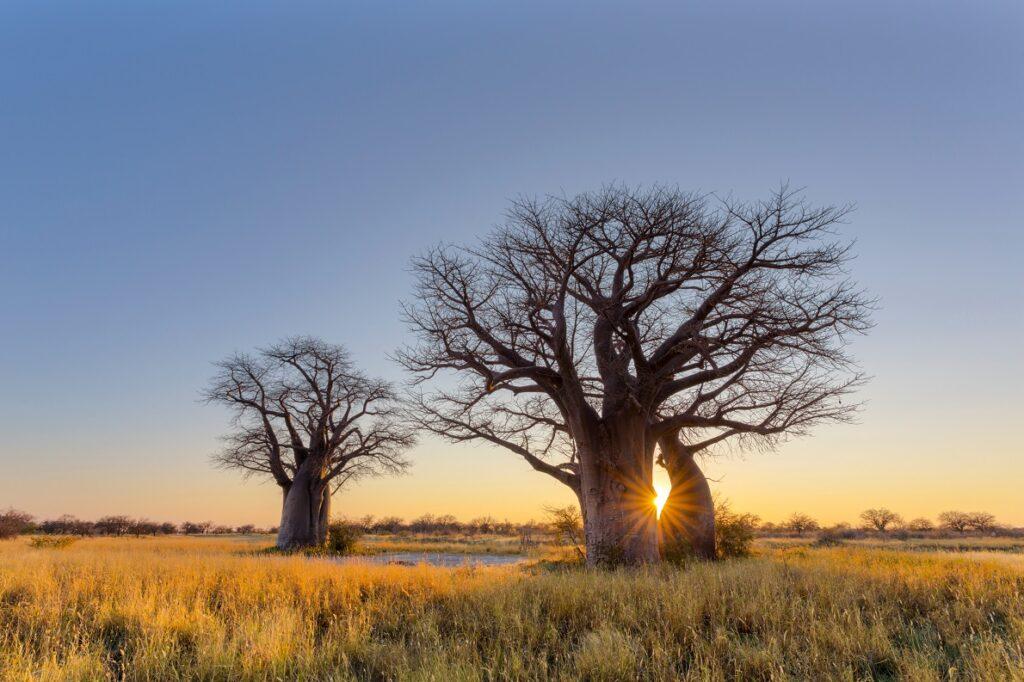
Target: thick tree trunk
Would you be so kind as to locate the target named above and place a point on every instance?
(324, 514)
(617, 495)
(300, 516)
(688, 517)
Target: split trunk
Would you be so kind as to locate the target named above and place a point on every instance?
(617, 494)
(306, 511)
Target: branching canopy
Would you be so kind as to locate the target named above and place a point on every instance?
(713, 318)
(301, 400)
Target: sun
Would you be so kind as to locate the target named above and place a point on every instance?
(661, 498)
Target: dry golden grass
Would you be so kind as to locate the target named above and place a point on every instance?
(200, 608)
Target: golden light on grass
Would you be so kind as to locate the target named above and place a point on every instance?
(661, 498)
(209, 608)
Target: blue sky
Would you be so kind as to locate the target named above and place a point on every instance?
(181, 180)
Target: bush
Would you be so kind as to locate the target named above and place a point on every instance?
(113, 525)
(44, 542)
(734, 533)
(66, 525)
(567, 525)
(342, 537)
(14, 522)
(194, 528)
(801, 523)
(734, 536)
(920, 525)
(829, 538)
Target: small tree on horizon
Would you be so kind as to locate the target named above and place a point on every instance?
(14, 522)
(801, 523)
(920, 525)
(983, 522)
(957, 521)
(880, 519)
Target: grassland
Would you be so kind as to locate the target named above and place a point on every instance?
(207, 608)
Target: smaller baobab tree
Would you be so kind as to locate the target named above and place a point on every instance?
(880, 519)
(307, 419)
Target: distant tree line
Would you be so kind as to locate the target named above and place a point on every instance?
(880, 520)
(14, 522)
(445, 524)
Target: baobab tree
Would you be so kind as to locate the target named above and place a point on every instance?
(307, 419)
(586, 332)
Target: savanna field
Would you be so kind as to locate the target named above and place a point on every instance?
(220, 609)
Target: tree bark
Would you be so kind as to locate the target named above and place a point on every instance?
(324, 513)
(300, 515)
(617, 495)
(688, 517)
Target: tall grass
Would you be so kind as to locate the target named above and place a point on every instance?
(178, 608)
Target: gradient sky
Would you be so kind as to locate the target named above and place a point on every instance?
(182, 180)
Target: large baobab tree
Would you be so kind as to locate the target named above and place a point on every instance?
(586, 332)
(311, 422)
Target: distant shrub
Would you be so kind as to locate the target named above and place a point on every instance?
(481, 524)
(920, 525)
(113, 525)
(829, 538)
(734, 532)
(801, 523)
(66, 525)
(144, 527)
(196, 528)
(49, 542)
(844, 531)
(388, 524)
(14, 522)
(342, 537)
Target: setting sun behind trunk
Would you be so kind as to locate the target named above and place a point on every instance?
(661, 498)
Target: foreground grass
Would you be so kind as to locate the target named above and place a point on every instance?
(178, 608)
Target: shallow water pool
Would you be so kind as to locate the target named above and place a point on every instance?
(437, 559)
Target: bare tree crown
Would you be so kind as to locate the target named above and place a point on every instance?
(302, 398)
(711, 318)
